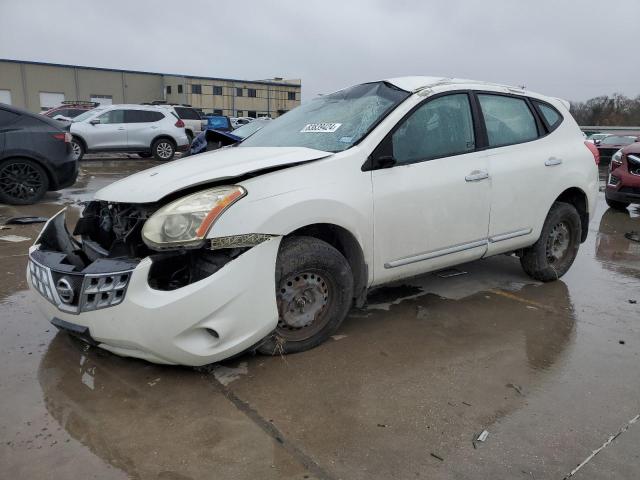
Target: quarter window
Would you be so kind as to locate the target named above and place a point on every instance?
(550, 114)
(438, 128)
(112, 116)
(187, 113)
(508, 120)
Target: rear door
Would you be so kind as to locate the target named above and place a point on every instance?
(142, 127)
(109, 134)
(431, 202)
(523, 167)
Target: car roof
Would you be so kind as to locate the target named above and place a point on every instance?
(22, 111)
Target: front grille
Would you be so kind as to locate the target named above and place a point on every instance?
(76, 293)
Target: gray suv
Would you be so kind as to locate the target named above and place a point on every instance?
(142, 129)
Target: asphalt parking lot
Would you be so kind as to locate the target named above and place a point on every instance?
(403, 389)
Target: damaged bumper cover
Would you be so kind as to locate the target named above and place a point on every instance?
(113, 304)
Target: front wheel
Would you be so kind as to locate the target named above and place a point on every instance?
(314, 291)
(77, 149)
(551, 256)
(163, 149)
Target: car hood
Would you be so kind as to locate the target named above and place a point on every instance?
(227, 163)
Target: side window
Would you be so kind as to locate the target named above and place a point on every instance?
(112, 116)
(142, 116)
(439, 128)
(550, 114)
(187, 113)
(508, 120)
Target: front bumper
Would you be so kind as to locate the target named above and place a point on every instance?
(623, 194)
(204, 322)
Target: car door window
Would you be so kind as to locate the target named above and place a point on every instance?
(508, 120)
(142, 116)
(439, 128)
(112, 116)
(550, 114)
(7, 118)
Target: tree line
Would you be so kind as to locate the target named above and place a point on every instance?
(614, 110)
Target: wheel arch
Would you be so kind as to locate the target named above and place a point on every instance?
(578, 198)
(164, 136)
(347, 244)
(82, 140)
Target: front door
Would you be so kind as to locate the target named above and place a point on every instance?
(110, 133)
(431, 191)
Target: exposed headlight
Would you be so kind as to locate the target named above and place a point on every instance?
(617, 158)
(185, 222)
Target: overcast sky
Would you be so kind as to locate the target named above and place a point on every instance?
(570, 49)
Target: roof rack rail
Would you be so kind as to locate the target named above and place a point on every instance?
(79, 102)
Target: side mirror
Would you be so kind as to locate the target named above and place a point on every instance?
(95, 121)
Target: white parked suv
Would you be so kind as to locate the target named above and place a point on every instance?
(267, 245)
(143, 129)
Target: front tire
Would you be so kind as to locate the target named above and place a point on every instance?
(622, 206)
(163, 149)
(314, 291)
(551, 256)
(22, 181)
(77, 149)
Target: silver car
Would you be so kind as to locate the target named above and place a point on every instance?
(143, 129)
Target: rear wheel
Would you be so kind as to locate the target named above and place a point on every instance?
(314, 290)
(22, 181)
(551, 256)
(617, 205)
(163, 149)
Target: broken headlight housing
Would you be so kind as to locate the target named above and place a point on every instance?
(185, 222)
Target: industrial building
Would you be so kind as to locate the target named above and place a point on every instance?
(39, 86)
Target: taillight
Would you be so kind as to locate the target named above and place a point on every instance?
(180, 124)
(65, 137)
(594, 151)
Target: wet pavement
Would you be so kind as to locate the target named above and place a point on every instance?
(401, 391)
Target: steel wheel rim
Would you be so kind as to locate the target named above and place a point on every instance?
(558, 243)
(164, 150)
(76, 150)
(20, 181)
(303, 299)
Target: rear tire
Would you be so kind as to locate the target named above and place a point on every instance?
(22, 181)
(622, 206)
(163, 149)
(314, 291)
(551, 256)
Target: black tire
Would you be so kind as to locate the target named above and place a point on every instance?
(190, 136)
(77, 148)
(314, 277)
(551, 256)
(163, 149)
(145, 154)
(22, 181)
(622, 206)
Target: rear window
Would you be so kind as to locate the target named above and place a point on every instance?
(7, 118)
(508, 119)
(187, 113)
(142, 116)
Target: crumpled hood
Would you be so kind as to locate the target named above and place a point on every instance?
(153, 184)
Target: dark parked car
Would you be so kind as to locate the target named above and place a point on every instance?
(623, 184)
(35, 156)
(611, 144)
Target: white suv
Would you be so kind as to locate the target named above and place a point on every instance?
(194, 124)
(267, 245)
(142, 129)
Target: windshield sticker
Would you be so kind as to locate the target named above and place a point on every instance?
(346, 139)
(320, 127)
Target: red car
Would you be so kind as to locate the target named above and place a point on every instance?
(611, 144)
(70, 109)
(623, 185)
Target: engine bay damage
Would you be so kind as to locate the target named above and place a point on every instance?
(107, 238)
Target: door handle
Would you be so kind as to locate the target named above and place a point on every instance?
(476, 176)
(121, 128)
(552, 161)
